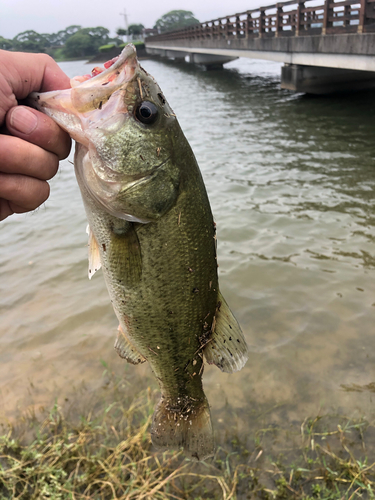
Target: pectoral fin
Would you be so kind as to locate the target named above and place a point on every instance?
(94, 254)
(126, 350)
(125, 251)
(227, 348)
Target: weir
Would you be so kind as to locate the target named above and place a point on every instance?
(325, 48)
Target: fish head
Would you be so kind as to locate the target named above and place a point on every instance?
(128, 133)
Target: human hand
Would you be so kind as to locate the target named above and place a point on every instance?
(31, 143)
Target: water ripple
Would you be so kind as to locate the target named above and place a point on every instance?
(291, 181)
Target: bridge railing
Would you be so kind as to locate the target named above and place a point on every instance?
(291, 18)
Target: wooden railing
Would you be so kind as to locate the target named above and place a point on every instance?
(292, 18)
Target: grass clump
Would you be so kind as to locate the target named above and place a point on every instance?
(107, 454)
(106, 457)
(138, 44)
(330, 465)
(107, 48)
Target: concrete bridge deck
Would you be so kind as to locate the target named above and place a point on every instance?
(325, 47)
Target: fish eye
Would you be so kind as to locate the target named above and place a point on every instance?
(147, 113)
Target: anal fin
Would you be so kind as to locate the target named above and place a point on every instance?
(227, 348)
(126, 350)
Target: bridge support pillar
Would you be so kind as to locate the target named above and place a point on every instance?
(177, 55)
(210, 61)
(321, 80)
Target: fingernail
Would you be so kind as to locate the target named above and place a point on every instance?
(23, 120)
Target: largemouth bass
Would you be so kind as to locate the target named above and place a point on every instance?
(152, 232)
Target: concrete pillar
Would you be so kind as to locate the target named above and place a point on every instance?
(211, 61)
(320, 80)
(156, 52)
(176, 54)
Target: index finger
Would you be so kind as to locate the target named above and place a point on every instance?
(33, 72)
(23, 73)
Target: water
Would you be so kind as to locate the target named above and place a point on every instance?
(291, 181)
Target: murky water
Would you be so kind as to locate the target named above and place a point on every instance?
(291, 181)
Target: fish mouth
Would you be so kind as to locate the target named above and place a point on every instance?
(105, 76)
(77, 108)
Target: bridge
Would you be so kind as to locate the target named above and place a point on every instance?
(325, 47)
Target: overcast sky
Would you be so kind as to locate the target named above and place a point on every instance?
(50, 16)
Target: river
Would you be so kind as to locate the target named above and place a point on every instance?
(291, 181)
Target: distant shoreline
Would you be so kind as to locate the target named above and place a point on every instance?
(100, 57)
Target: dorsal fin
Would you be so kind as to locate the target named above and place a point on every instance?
(227, 348)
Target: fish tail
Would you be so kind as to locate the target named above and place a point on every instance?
(184, 422)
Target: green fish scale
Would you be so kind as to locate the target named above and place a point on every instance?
(167, 314)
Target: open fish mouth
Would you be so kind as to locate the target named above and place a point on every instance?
(117, 115)
(91, 101)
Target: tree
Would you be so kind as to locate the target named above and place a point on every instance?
(30, 41)
(63, 35)
(175, 19)
(52, 39)
(135, 29)
(74, 41)
(98, 33)
(86, 41)
(5, 44)
(121, 32)
(79, 44)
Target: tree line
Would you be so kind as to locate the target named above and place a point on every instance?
(73, 41)
(76, 41)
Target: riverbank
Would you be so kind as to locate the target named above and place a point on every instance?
(106, 452)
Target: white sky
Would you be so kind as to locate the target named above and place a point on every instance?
(50, 16)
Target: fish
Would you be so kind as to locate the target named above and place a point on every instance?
(152, 232)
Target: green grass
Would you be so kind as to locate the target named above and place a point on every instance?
(107, 48)
(106, 453)
(138, 44)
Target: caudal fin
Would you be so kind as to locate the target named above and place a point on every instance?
(185, 423)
